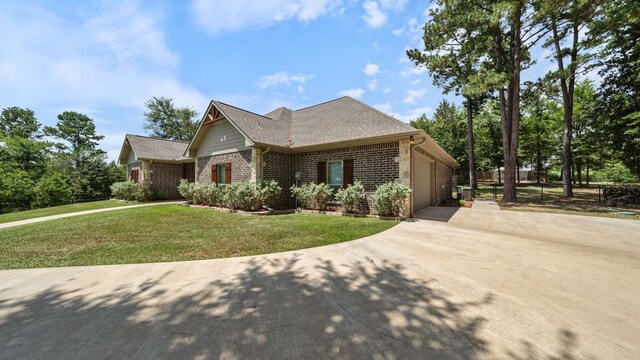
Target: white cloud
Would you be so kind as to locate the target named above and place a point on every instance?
(374, 17)
(406, 117)
(413, 71)
(282, 77)
(397, 5)
(300, 89)
(415, 82)
(355, 93)
(385, 108)
(216, 16)
(117, 57)
(412, 96)
(398, 31)
(371, 69)
(372, 84)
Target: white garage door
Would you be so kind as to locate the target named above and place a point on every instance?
(422, 182)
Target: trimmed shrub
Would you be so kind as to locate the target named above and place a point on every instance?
(185, 188)
(322, 194)
(351, 196)
(269, 192)
(312, 195)
(390, 198)
(123, 190)
(130, 191)
(238, 195)
(304, 195)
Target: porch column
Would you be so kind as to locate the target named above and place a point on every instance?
(404, 175)
(256, 165)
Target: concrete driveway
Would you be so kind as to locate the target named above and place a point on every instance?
(481, 284)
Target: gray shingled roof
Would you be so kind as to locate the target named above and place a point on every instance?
(259, 128)
(157, 149)
(339, 120)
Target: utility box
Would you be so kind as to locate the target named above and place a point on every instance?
(465, 193)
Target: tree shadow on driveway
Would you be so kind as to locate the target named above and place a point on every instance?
(270, 310)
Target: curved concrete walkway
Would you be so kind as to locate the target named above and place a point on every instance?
(77, 213)
(484, 284)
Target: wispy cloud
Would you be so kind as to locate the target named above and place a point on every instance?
(374, 16)
(118, 56)
(216, 16)
(355, 93)
(283, 78)
(372, 84)
(412, 96)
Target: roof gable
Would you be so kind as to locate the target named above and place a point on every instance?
(147, 148)
(339, 120)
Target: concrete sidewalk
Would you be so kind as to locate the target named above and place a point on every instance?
(485, 284)
(78, 213)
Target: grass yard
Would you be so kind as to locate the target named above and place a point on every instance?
(584, 202)
(64, 209)
(171, 233)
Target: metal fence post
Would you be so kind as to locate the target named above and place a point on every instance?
(542, 191)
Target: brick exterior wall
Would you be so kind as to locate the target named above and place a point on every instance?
(240, 166)
(444, 176)
(373, 165)
(277, 167)
(165, 178)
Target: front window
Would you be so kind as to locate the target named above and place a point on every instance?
(222, 174)
(335, 175)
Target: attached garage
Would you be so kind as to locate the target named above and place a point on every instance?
(423, 181)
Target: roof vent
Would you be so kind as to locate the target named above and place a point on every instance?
(259, 125)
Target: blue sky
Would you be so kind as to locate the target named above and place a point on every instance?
(106, 58)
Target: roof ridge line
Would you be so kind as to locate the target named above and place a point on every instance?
(154, 138)
(241, 109)
(322, 103)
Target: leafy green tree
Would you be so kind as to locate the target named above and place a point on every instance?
(52, 190)
(83, 164)
(616, 32)
(21, 123)
(163, 120)
(453, 61)
(540, 127)
(447, 128)
(564, 20)
(16, 190)
(489, 138)
(502, 32)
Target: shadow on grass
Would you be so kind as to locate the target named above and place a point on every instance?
(270, 311)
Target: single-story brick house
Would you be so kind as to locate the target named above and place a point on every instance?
(157, 162)
(336, 142)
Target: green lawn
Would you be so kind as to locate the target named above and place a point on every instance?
(584, 202)
(171, 233)
(64, 209)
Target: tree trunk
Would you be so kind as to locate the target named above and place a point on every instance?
(473, 181)
(567, 102)
(587, 171)
(579, 170)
